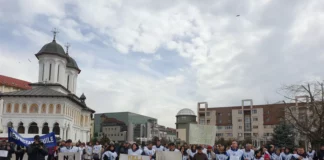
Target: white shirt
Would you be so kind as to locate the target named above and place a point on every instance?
(70, 149)
(160, 148)
(110, 155)
(248, 154)
(135, 153)
(235, 154)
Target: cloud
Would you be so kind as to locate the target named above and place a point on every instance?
(154, 57)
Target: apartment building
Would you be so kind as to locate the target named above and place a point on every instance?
(245, 121)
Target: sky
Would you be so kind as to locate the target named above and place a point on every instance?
(156, 57)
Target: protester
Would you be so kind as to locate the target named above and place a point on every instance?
(172, 148)
(276, 155)
(200, 155)
(311, 154)
(158, 146)
(96, 153)
(301, 154)
(110, 154)
(191, 152)
(248, 153)
(286, 155)
(210, 153)
(20, 152)
(184, 153)
(234, 153)
(149, 151)
(320, 153)
(123, 149)
(37, 150)
(135, 150)
(222, 155)
(88, 152)
(258, 155)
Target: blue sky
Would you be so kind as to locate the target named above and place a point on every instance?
(154, 57)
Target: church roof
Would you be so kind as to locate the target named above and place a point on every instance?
(71, 63)
(46, 91)
(52, 48)
(13, 82)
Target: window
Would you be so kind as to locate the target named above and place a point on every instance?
(68, 81)
(228, 127)
(267, 134)
(239, 111)
(255, 127)
(268, 119)
(240, 127)
(219, 134)
(255, 119)
(208, 114)
(268, 112)
(229, 114)
(121, 134)
(254, 111)
(208, 121)
(255, 134)
(43, 71)
(220, 114)
(239, 120)
(220, 121)
(50, 72)
(219, 127)
(229, 134)
(229, 121)
(240, 134)
(58, 73)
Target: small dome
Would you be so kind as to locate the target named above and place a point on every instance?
(52, 48)
(71, 63)
(186, 112)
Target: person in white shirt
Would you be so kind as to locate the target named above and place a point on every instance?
(158, 146)
(258, 155)
(286, 155)
(311, 153)
(276, 155)
(70, 148)
(88, 151)
(149, 151)
(248, 153)
(135, 150)
(191, 152)
(301, 154)
(110, 154)
(234, 153)
(172, 148)
(96, 152)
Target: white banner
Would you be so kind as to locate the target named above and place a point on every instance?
(168, 155)
(202, 134)
(69, 156)
(131, 157)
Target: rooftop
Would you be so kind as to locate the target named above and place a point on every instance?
(186, 112)
(13, 82)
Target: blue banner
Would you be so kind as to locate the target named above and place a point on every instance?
(49, 140)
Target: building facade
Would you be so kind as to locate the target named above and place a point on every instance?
(246, 121)
(50, 105)
(125, 125)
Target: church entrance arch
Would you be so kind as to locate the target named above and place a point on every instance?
(33, 128)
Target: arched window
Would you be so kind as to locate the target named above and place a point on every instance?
(9, 125)
(16, 109)
(58, 108)
(51, 108)
(24, 108)
(8, 109)
(45, 129)
(21, 128)
(56, 129)
(33, 108)
(43, 72)
(44, 108)
(33, 128)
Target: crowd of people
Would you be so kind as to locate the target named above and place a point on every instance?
(97, 151)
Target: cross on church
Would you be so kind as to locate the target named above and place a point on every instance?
(55, 31)
(67, 46)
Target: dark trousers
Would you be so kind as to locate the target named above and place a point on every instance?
(19, 156)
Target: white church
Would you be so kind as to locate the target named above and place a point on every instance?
(51, 105)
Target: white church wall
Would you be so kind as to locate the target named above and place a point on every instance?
(53, 61)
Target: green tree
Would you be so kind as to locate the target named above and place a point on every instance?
(94, 140)
(104, 139)
(283, 136)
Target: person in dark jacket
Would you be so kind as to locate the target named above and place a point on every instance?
(200, 155)
(123, 149)
(37, 150)
(20, 152)
(6, 147)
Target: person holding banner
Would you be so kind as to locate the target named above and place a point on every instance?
(110, 154)
(149, 151)
(135, 150)
(37, 150)
(158, 146)
(5, 151)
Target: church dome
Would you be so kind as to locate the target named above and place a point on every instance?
(71, 63)
(52, 48)
(186, 112)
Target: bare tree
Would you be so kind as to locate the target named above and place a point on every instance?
(307, 113)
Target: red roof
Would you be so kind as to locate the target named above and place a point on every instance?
(13, 82)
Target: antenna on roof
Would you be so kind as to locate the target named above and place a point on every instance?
(67, 46)
(55, 32)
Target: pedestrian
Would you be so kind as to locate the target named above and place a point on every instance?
(20, 152)
(88, 152)
(200, 155)
(110, 153)
(234, 152)
(37, 150)
(222, 154)
(210, 153)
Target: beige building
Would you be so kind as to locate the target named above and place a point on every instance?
(9, 84)
(241, 122)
